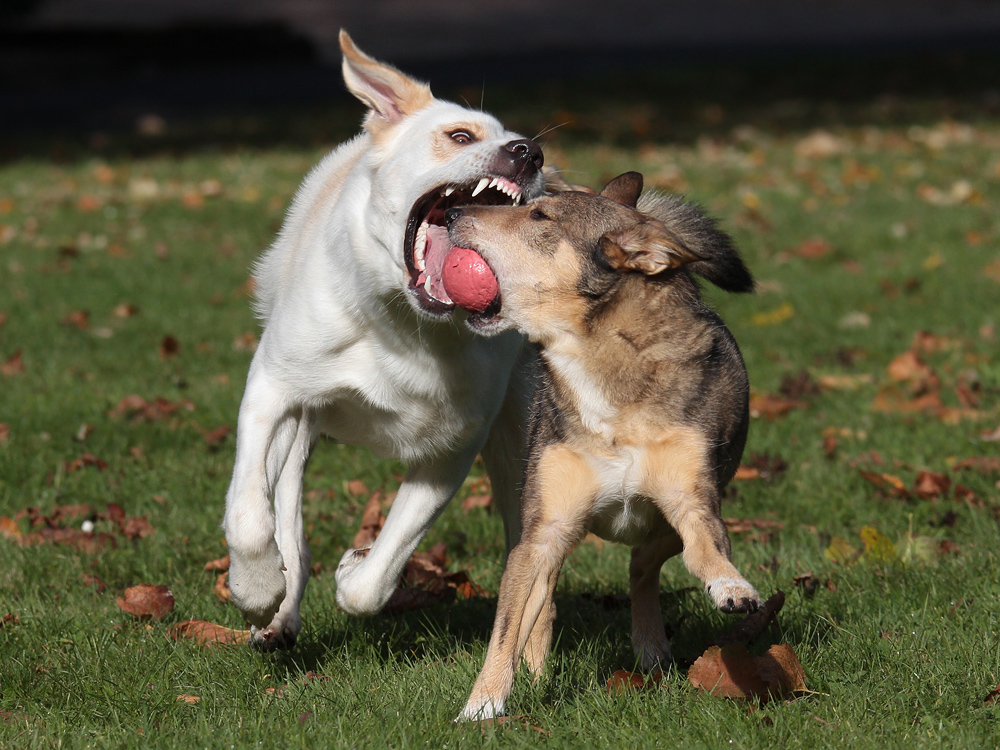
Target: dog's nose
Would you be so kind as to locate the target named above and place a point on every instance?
(526, 155)
(451, 215)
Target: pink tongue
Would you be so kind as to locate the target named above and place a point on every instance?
(468, 280)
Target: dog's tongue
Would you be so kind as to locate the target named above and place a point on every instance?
(468, 280)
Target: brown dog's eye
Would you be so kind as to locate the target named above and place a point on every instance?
(537, 215)
(462, 136)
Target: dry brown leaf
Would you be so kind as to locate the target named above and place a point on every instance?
(993, 699)
(13, 365)
(889, 484)
(931, 484)
(843, 382)
(910, 366)
(772, 407)
(9, 529)
(357, 487)
(477, 501)
(88, 542)
(371, 522)
(982, 464)
(4, 432)
(189, 699)
(140, 410)
(208, 633)
(77, 318)
(169, 347)
(221, 588)
(147, 601)
(813, 249)
(215, 438)
(125, 310)
(748, 525)
(9, 619)
(136, 527)
(755, 623)
(745, 473)
(218, 565)
(731, 672)
(623, 681)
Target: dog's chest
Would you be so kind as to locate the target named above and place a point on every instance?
(622, 512)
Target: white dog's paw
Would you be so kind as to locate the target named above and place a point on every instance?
(280, 634)
(357, 593)
(258, 584)
(733, 595)
(479, 711)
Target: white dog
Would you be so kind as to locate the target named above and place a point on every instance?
(361, 344)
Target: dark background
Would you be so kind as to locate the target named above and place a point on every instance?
(77, 68)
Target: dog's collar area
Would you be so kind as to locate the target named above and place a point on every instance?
(426, 243)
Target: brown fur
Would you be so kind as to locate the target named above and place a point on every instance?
(640, 417)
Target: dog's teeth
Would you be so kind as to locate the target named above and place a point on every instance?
(517, 199)
(449, 191)
(420, 247)
(483, 183)
(494, 182)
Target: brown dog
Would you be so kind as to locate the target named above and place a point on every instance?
(640, 417)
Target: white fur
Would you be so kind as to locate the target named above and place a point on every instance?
(346, 352)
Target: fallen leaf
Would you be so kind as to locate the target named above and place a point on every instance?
(755, 623)
(993, 699)
(813, 249)
(13, 365)
(147, 601)
(207, 633)
(218, 565)
(9, 619)
(4, 432)
(878, 547)
(745, 473)
(930, 484)
(774, 317)
(747, 525)
(140, 410)
(125, 310)
(215, 438)
(356, 487)
(371, 523)
(88, 542)
(169, 347)
(889, 484)
(221, 588)
(78, 318)
(841, 551)
(189, 699)
(772, 407)
(843, 382)
(910, 366)
(87, 459)
(477, 501)
(731, 672)
(9, 529)
(798, 386)
(136, 527)
(623, 681)
(982, 464)
(991, 436)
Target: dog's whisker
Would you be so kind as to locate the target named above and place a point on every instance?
(549, 128)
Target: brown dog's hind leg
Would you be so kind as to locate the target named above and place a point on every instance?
(649, 639)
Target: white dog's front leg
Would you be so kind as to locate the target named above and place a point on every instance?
(366, 581)
(266, 431)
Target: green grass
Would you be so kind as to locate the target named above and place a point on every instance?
(899, 654)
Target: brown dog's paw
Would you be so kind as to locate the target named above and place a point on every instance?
(733, 595)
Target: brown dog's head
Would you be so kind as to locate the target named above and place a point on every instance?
(556, 256)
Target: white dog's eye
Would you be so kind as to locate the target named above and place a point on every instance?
(461, 136)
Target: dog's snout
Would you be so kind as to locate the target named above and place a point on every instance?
(452, 215)
(525, 150)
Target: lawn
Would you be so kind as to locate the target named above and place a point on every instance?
(865, 197)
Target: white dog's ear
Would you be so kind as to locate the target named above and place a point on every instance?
(389, 94)
(647, 247)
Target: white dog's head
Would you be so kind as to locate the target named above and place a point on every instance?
(428, 156)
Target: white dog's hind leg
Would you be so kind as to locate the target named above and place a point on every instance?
(265, 434)
(284, 628)
(366, 581)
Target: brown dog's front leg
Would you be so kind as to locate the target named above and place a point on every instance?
(525, 590)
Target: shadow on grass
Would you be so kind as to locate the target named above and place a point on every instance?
(592, 626)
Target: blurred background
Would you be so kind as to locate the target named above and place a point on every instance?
(83, 67)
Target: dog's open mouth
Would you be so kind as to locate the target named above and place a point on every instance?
(427, 247)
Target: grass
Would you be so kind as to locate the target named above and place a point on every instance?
(900, 652)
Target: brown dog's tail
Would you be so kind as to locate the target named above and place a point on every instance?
(719, 262)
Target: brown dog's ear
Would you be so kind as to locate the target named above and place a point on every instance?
(389, 94)
(624, 189)
(647, 247)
